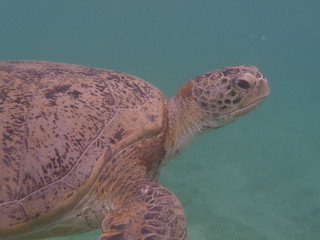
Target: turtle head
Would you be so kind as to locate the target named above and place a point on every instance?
(223, 95)
(211, 100)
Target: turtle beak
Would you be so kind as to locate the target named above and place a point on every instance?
(263, 88)
(254, 99)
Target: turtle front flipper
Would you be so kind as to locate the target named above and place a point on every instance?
(152, 213)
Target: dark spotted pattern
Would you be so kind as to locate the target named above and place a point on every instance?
(60, 124)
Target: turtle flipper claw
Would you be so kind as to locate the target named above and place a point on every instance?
(156, 214)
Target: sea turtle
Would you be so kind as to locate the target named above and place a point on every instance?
(81, 147)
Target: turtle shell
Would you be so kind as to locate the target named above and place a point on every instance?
(59, 125)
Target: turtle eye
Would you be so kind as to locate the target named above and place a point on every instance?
(243, 84)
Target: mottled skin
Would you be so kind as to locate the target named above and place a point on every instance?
(82, 147)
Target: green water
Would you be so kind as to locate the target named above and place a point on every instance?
(256, 179)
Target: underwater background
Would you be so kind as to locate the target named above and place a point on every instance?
(255, 179)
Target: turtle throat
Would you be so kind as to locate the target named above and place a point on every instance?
(183, 126)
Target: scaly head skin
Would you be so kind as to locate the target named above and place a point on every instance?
(211, 100)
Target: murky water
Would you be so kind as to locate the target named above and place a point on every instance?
(257, 178)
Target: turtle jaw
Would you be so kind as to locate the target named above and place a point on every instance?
(253, 100)
(245, 109)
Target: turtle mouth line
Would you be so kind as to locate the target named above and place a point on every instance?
(247, 108)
